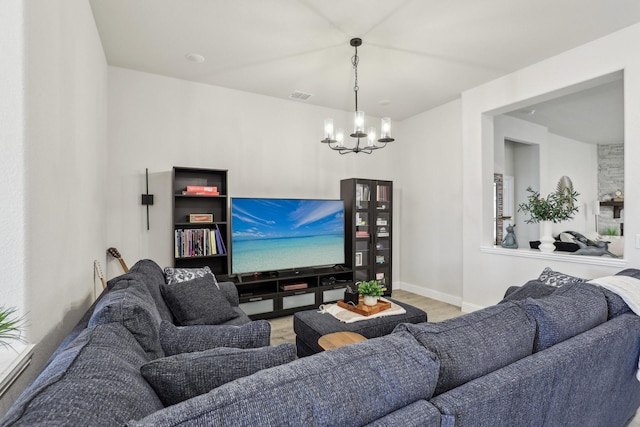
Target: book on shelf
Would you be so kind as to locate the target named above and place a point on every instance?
(294, 286)
(222, 248)
(199, 193)
(362, 234)
(201, 189)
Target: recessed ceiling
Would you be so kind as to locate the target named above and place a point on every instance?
(415, 55)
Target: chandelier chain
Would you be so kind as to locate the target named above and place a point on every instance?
(354, 61)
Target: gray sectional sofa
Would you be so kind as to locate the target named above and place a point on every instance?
(544, 356)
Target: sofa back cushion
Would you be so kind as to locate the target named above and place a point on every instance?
(130, 304)
(567, 312)
(187, 339)
(94, 381)
(150, 273)
(477, 343)
(183, 376)
(352, 385)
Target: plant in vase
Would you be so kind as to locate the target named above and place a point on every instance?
(10, 326)
(370, 292)
(558, 206)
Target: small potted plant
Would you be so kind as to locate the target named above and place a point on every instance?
(10, 326)
(370, 291)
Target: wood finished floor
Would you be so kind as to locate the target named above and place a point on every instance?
(437, 311)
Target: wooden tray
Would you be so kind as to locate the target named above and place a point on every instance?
(366, 310)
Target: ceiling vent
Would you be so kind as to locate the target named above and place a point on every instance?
(300, 96)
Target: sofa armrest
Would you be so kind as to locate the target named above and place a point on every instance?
(230, 292)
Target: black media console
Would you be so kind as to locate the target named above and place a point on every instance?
(282, 293)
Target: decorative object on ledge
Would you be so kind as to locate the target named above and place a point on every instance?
(335, 139)
(147, 199)
(557, 207)
(510, 240)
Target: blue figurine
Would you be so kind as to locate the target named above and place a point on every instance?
(510, 240)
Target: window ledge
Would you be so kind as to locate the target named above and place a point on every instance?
(555, 256)
(13, 361)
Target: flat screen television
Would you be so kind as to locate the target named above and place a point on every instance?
(285, 234)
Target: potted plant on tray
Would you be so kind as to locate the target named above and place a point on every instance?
(10, 326)
(370, 291)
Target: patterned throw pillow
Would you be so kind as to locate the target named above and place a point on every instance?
(179, 275)
(557, 279)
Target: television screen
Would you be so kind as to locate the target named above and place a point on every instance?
(280, 234)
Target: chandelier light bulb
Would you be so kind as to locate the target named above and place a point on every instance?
(385, 127)
(371, 137)
(358, 122)
(340, 137)
(328, 130)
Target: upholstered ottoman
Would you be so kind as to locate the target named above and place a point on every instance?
(310, 325)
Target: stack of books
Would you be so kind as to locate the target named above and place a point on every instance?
(196, 242)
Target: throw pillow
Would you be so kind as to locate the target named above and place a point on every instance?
(183, 376)
(179, 275)
(187, 339)
(555, 278)
(567, 312)
(531, 289)
(197, 302)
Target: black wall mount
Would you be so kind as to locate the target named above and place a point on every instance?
(147, 199)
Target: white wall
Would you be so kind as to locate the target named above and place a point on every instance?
(431, 208)
(12, 190)
(487, 274)
(65, 77)
(270, 146)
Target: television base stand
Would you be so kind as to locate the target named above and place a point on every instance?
(280, 293)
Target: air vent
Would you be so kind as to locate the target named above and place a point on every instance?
(300, 96)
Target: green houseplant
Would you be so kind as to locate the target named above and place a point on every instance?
(10, 326)
(556, 207)
(370, 290)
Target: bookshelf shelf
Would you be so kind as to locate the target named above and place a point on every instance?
(214, 235)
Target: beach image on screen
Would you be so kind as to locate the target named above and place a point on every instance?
(279, 234)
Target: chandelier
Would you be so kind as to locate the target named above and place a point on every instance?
(335, 139)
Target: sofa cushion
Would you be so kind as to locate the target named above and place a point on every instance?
(352, 385)
(187, 339)
(148, 272)
(94, 381)
(197, 302)
(555, 278)
(152, 276)
(178, 275)
(183, 376)
(569, 311)
(477, 343)
(130, 304)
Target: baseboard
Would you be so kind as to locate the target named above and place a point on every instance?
(468, 307)
(430, 293)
